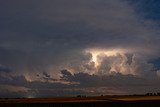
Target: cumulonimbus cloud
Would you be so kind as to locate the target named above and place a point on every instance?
(44, 37)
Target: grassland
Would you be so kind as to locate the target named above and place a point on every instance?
(96, 101)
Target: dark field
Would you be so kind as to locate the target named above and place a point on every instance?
(101, 101)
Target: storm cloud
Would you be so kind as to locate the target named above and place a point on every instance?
(40, 38)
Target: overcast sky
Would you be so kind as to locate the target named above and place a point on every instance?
(70, 47)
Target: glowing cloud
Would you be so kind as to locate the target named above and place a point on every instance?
(104, 52)
(110, 61)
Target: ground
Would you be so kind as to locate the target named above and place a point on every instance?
(83, 101)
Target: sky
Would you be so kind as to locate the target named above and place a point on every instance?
(51, 48)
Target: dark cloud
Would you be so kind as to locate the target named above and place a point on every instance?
(46, 33)
(46, 77)
(79, 83)
(5, 69)
(119, 81)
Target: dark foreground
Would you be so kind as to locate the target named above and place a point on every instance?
(107, 101)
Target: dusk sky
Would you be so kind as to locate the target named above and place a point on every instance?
(54, 48)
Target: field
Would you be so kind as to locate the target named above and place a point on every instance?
(97, 101)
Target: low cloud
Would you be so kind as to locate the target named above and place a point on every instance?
(78, 84)
(5, 69)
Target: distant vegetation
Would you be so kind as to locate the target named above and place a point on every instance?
(152, 94)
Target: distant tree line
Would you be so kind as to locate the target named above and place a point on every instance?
(81, 96)
(152, 94)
